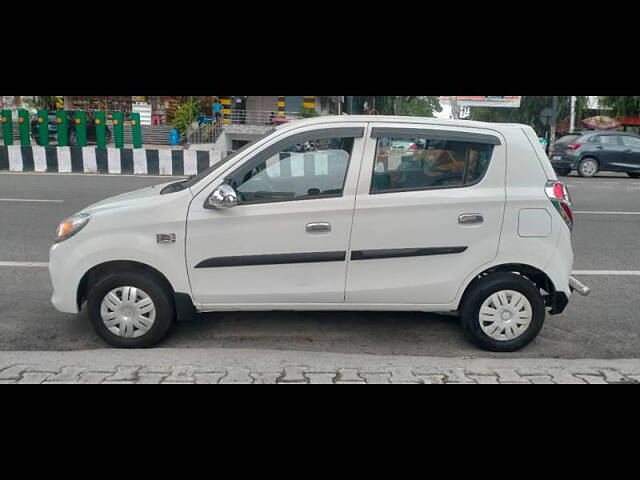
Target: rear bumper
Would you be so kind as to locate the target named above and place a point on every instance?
(558, 301)
(564, 161)
(579, 287)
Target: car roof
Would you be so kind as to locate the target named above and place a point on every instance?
(398, 119)
(607, 132)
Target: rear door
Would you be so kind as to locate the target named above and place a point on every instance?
(425, 217)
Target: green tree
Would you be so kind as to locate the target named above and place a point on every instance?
(419, 106)
(529, 111)
(622, 106)
(185, 114)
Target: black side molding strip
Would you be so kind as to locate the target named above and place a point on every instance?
(275, 259)
(404, 252)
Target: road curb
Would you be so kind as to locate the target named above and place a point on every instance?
(219, 365)
(138, 161)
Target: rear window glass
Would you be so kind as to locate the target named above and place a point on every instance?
(567, 139)
(423, 163)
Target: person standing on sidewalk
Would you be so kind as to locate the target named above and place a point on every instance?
(217, 112)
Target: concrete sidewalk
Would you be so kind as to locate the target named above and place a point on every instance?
(218, 365)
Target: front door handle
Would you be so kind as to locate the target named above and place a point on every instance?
(318, 227)
(470, 219)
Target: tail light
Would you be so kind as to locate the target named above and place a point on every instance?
(413, 147)
(561, 200)
(574, 146)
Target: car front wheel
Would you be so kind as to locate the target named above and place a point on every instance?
(563, 171)
(502, 312)
(130, 309)
(634, 174)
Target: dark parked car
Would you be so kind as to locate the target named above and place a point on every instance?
(53, 129)
(593, 151)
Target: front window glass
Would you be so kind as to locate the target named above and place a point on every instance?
(424, 163)
(311, 169)
(607, 139)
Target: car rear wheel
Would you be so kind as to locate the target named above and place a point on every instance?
(130, 309)
(502, 312)
(588, 167)
(563, 171)
(633, 174)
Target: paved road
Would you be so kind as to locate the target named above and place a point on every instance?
(603, 325)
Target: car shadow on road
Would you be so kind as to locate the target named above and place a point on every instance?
(384, 333)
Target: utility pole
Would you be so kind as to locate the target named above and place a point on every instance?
(554, 120)
(455, 108)
(572, 124)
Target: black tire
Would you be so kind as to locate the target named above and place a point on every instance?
(153, 287)
(563, 171)
(482, 289)
(583, 162)
(634, 174)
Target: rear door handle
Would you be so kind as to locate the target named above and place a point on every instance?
(470, 219)
(316, 227)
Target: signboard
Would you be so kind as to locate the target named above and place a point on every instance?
(511, 102)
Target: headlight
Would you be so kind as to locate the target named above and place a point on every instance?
(72, 225)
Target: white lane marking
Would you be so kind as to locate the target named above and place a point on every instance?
(606, 272)
(24, 264)
(29, 200)
(608, 213)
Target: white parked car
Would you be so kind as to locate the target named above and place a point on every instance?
(475, 222)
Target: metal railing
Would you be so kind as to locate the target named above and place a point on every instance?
(205, 133)
(257, 117)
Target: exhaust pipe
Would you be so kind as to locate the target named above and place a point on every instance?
(579, 287)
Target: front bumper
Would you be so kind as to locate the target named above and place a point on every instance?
(63, 279)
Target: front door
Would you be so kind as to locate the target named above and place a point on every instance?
(610, 152)
(428, 212)
(632, 152)
(286, 240)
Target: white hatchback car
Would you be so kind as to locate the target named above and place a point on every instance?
(324, 214)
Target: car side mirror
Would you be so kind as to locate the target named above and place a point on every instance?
(222, 197)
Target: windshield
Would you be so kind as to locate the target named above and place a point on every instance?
(194, 179)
